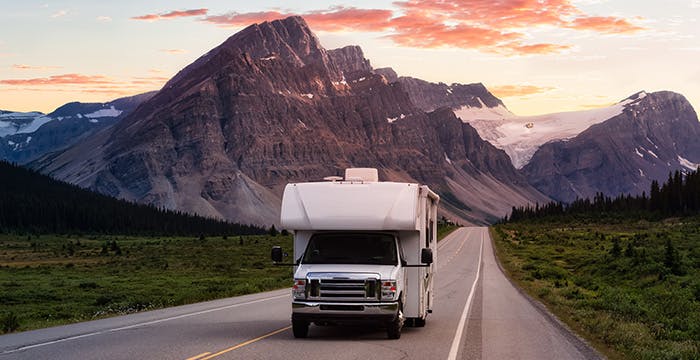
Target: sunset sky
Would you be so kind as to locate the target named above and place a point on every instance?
(537, 56)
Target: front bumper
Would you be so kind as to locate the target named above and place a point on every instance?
(345, 312)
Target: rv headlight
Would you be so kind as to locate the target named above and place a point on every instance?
(299, 289)
(388, 289)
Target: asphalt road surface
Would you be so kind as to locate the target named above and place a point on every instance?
(478, 314)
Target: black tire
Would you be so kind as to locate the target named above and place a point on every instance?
(393, 329)
(300, 329)
(418, 322)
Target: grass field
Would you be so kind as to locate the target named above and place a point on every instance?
(52, 280)
(632, 288)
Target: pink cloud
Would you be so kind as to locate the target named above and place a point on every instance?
(484, 25)
(335, 19)
(604, 24)
(65, 79)
(503, 91)
(172, 14)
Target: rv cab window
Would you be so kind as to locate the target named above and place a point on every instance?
(351, 248)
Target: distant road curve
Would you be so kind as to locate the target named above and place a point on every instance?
(478, 314)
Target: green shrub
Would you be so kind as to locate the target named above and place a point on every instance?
(9, 322)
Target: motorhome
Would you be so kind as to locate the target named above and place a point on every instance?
(364, 251)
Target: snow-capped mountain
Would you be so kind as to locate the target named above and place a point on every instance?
(521, 136)
(26, 136)
(653, 134)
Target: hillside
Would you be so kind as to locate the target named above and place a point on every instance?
(35, 203)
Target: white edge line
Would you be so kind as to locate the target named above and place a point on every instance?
(454, 349)
(140, 324)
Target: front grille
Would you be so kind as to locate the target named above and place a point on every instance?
(343, 287)
(343, 307)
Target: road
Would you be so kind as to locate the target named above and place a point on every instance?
(478, 314)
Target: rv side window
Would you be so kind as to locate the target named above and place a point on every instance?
(351, 248)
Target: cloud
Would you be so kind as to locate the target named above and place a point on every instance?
(103, 19)
(60, 13)
(32, 67)
(502, 27)
(174, 51)
(65, 79)
(335, 19)
(80, 83)
(503, 91)
(604, 24)
(172, 15)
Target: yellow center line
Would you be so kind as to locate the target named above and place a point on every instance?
(199, 356)
(246, 343)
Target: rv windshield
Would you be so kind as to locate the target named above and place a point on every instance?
(351, 248)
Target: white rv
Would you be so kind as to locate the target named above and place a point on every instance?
(364, 251)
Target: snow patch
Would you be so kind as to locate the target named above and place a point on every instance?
(310, 96)
(687, 163)
(448, 159)
(652, 154)
(651, 142)
(80, 116)
(302, 124)
(29, 138)
(111, 112)
(641, 173)
(21, 123)
(271, 57)
(509, 132)
(94, 121)
(392, 119)
(10, 142)
(638, 153)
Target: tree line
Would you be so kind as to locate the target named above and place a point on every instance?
(35, 203)
(679, 195)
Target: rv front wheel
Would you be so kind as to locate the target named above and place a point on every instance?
(300, 329)
(393, 329)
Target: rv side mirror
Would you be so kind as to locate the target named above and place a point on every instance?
(276, 254)
(426, 256)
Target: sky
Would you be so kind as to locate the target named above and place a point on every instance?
(538, 56)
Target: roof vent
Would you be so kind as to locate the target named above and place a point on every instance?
(363, 174)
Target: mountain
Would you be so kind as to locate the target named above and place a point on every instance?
(270, 106)
(459, 97)
(648, 136)
(28, 136)
(521, 136)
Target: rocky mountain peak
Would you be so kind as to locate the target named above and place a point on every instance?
(351, 60)
(289, 39)
(430, 96)
(388, 73)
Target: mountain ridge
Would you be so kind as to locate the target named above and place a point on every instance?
(225, 135)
